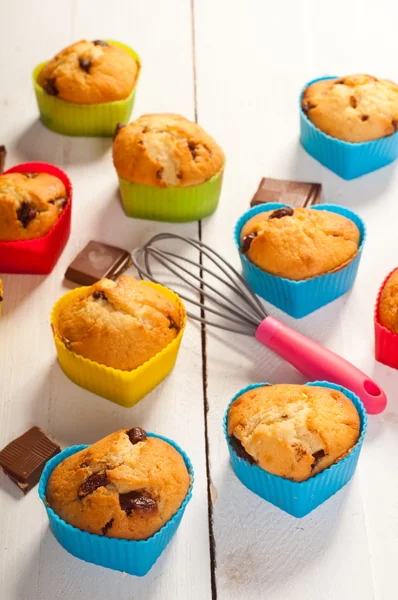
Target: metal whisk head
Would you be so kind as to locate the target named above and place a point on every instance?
(233, 307)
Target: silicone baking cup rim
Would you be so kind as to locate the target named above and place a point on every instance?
(130, 556)
(173, 204)
(386, 341)
(347, 159)
(38, 256)
(300, 298)
(298, 498)
(84, 120)
(122, 387)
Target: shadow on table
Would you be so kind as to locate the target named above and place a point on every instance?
(37, 143)
(263, 545)
(353, 193)
(53, 573)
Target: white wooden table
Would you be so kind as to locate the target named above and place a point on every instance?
(237, 66)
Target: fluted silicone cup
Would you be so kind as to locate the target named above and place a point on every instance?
(39, 256)
(300, 298)
(298, 499)
(123, 387)
(89, 120)
(386, 341)
(346, 159)
(174, 204)
(130, 556)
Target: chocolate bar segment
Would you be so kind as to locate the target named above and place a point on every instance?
(3, 154)
(96, 261)
(294, 193)
(23, 460)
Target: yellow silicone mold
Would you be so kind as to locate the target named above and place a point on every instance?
(123, 387)
(90, 120)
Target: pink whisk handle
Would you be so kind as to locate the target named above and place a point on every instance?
(318, 363)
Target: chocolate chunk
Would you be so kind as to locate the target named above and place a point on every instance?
(1, 298)
(99, 295)
(23, 459)
(353, 101)
(118, 127)
(31, 175)
(25, 213)
(284, 416)
(50, 87)
(92, 483)
(247, 241)
(84, 465)
(85, 64)
(295, 193)
(3, 154)
(173, 324)
(97, 261)
(136, 501)
(61, 201)
(317, 456)
(282, 212)
(136, 434)
(159, 173)
(100, 43)
(107, 526)
(240, 451)
(366, 117)
(192, 148)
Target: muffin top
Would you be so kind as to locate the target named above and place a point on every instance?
(120, 325)
(127, 486)
(356, 108)
(299, 243)
(294, 431)
(388, 305)
(165, 150)
(30, 204)
(90, 73)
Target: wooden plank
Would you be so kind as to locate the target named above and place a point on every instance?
(252, 60)
(33, 388)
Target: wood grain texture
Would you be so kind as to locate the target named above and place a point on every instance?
(252, 60)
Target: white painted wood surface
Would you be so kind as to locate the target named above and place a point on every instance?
(251, 59)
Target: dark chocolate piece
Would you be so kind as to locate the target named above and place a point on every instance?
(85, 64)
(317, 456)
(100, 43)
(173, 324)
(107, 526)
(240, 451)
(23, 460)
(92, 483)
(136, 434)
(26, 213)
(3, 154)
(97, 261)
(99, 295)
(50, 87)
(286, 211)
(295, 193)
(247, 241)
(136, 501)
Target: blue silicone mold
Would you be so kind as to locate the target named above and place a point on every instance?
(298, 499)
(349, 160)
(300, 298)
(130, 556)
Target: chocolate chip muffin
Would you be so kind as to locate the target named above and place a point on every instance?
(388, 305)
(294, 431)
(30, 204)
(120, 325)
(299, 243)
(126, 485)
(90, 73)
(165, 150)
(356, 108)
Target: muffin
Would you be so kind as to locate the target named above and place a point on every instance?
(30, 205)
(169, 168)
(125, 486)
(348, 123)
(120, 325)
(87, 88)
(386, 321)
(90, 73)
(299, 243)
(355, 108)
(293, 431)
(118, 340)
